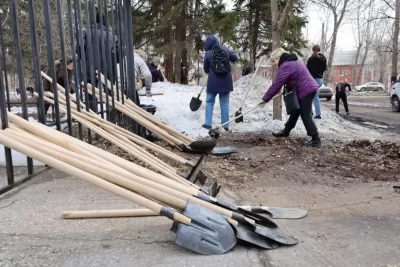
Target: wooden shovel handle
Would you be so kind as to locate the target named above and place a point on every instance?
(136, 152)
(94, 118)
(68, 142)
(73, 171)
(139, 119)
(28, 138)
(152, 118)
(89, 214)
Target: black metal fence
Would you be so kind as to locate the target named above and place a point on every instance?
(95, 36)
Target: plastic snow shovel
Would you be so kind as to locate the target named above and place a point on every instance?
(214, 133)
(195, 102)
(239, 118)
(277, 213)
(207, 233)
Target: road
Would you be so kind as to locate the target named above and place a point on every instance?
(375, 109)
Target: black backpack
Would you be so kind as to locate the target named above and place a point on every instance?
(220, 62)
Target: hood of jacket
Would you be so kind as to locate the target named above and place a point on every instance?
(211, 41)
(287, 57)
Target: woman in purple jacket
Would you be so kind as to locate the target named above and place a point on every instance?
(288, 67)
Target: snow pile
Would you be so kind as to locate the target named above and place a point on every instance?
(173, 108)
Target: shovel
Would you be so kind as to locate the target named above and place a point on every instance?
(239, 118)
(277, 213)
(149, 189)
(274, 212)
(207, 233)
(195, 102)
(215, 133)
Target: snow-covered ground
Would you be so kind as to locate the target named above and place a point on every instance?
(173, 108)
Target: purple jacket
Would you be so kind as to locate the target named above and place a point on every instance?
(287, 76)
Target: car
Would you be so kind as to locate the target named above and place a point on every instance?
(325, 92)
(371, 86)
(395, 97)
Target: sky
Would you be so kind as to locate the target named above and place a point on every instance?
(345, 38)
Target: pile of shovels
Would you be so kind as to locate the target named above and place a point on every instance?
(202, 223)
(134, 145)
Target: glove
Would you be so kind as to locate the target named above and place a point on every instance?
(262, 104)
(148, 91)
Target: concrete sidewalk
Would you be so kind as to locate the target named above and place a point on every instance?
(33, 234)
(354, 226)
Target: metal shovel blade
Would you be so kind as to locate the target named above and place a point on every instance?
(201, 178)
(278, 213)
(208, 233)
(275, 235)
(239, 214)
(223, 150)
(246, 235)
(237, 114)
(194, 173)
(214, 133)
(203, 146)
(195, 103)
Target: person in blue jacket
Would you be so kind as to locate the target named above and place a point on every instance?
(217, 65)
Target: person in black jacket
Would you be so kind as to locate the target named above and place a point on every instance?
(341, 95)
(99, 64)
(155, 71)
(316, 65)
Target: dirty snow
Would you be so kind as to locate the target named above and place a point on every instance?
(173, 108)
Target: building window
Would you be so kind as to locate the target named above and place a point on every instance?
(341, 72)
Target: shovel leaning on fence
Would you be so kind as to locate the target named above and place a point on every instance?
(195, 102)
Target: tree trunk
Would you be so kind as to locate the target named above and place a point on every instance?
(327, 78)
(250, 21)
(256, 27)
(356, 63)
(396, 32)
(367, 46)
(168, 64)
(180, 45)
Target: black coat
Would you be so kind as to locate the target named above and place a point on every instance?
(101, 36)
(316, 65)
(155, 73)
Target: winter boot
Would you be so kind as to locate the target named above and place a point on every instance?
(317, 117)
(206, 126)
(281, 133)
(314, 142)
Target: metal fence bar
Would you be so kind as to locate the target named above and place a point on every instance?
(110, 59)
(4, 118)
(106, 56)
(3, 52)
(82, 57)
(21, 80)
(131, 93)
(36, 63)
(64, 64)
(50, 59)
(76, 65)
(121, 49)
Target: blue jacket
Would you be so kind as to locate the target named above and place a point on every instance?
(217, 84)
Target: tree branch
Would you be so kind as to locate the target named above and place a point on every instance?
(285, 14)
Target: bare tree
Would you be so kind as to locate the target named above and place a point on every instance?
(395, 45)
(278, 21)
(338, 8)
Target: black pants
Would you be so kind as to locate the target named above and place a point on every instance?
(306, 116)
(343, 97)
